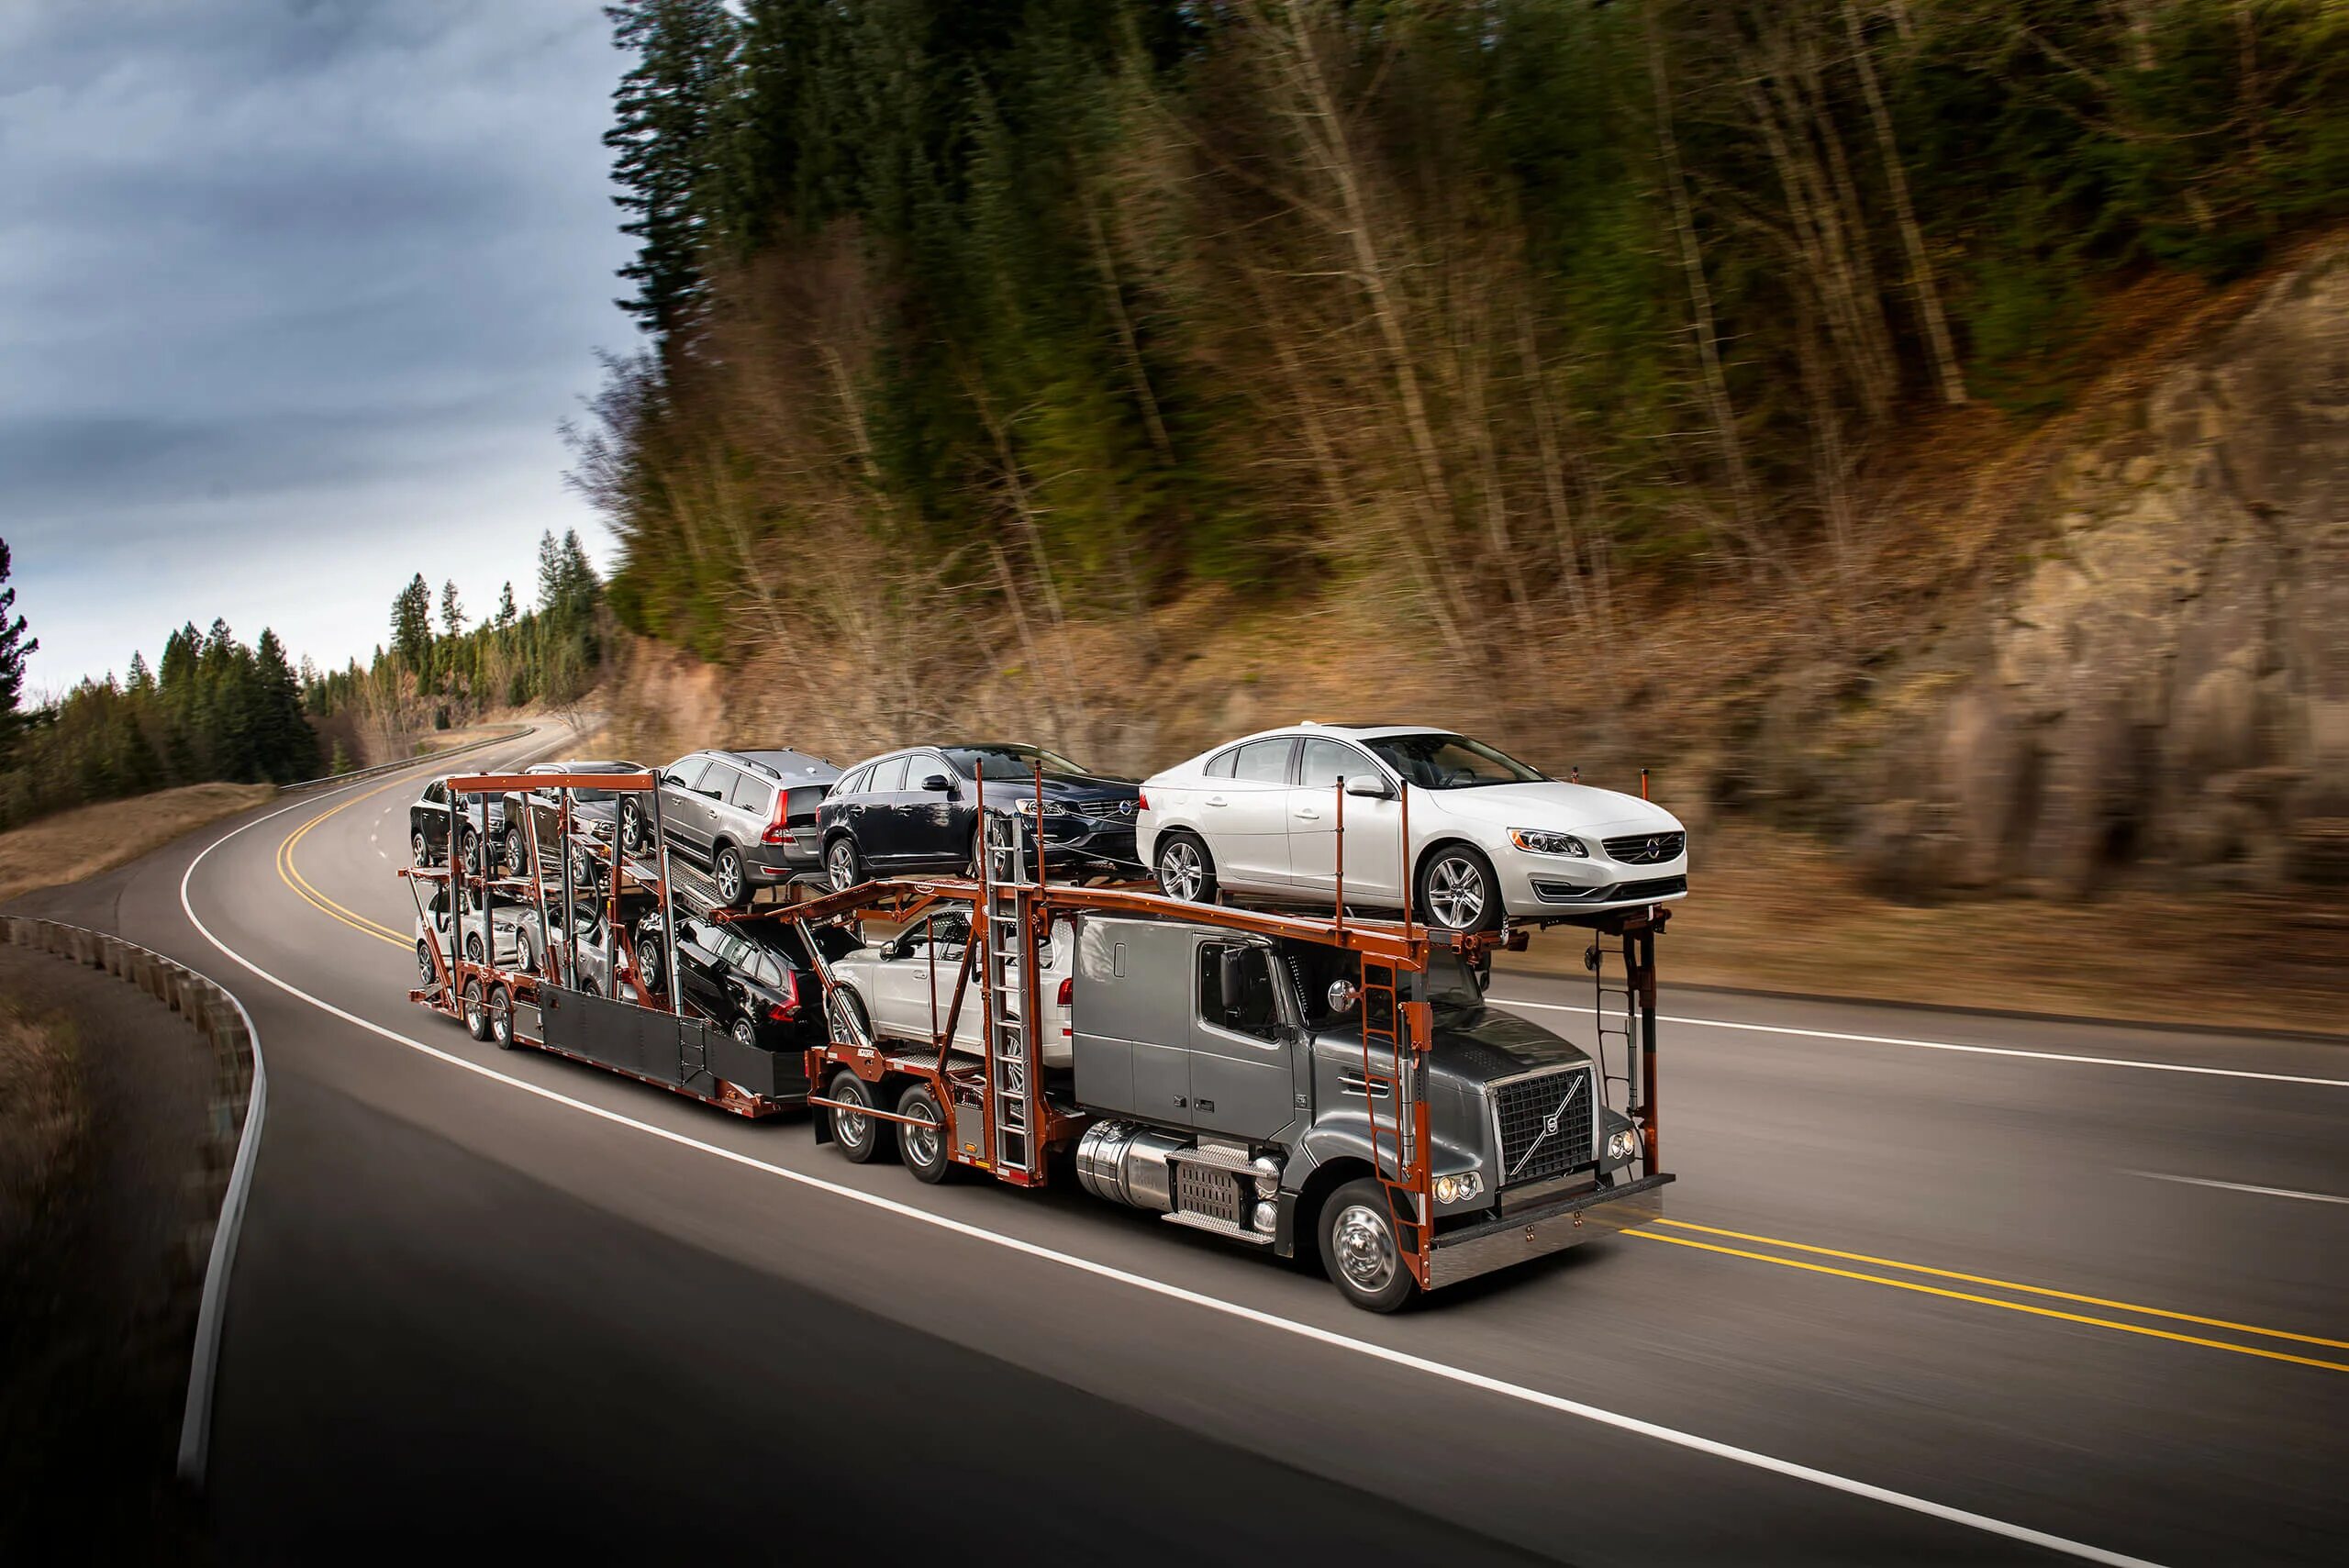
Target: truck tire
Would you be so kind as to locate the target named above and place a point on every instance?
(501, 1016)
(477, 1017)
(1359, 1250)
(863, 1139)
(923, 1149)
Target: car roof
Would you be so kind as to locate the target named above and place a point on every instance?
(597, 767)
(1341, 731)
(782, 762)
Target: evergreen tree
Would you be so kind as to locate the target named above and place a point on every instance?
(453, 610)
(412, 624)
(666, 147)
(14, 650)
(507, 614)
(286, 748)
(140, 680)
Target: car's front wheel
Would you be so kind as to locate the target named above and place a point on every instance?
(843, 867)
(632, 834)
(419, 851)
(1459, 892)
(1186, 870)
(424, 972)
(647, 958)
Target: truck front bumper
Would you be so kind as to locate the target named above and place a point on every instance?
(1550, 1228)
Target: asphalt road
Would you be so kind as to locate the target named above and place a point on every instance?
(1934, 1287)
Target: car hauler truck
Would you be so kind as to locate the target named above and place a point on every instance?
(1298, 1083)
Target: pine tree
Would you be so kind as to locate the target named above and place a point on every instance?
(139, 680)
(453, 610)
(549, 574)
(287, 747)
(14, 650)
(507, 614)
(412, 624)
(666, 148)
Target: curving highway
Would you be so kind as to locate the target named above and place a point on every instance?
(1935, 1287)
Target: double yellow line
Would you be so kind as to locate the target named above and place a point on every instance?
(2016, 1287)
(291, 876)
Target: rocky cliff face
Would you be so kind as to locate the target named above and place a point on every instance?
(2167, 682)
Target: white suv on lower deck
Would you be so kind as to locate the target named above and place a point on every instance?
(1491, 839)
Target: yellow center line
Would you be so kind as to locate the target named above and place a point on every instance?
(293, 878)
(1992, 1301)
(2009, 1284)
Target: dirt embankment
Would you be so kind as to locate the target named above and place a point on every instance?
(83, 842)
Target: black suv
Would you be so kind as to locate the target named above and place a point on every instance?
(748, 817)
(754, 980)
(594, 813)
(427, 826)
(917, 811)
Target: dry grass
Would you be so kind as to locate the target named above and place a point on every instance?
(42, 1117)
(1777, 912)
(89, 839)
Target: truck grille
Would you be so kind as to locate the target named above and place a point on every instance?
(1646, 849)
(1524, 1110)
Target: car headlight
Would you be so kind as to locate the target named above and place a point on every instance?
(599, 829)
(1026, 806)
(1538, 842)
(1623, 1145)
(1459, 1189)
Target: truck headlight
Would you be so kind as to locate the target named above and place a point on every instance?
(1459, 1189)
(1623, 1145)
(1536, 841)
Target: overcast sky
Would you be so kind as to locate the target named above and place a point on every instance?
(293, 295)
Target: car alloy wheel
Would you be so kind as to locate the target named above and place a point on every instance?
(744, 1034)
(648, 959)
(839, 865)
(1457, 893)
(473, 949)
(729, 876)
(632, 826)
(1182, 870)
(515, 862)
(424, 962)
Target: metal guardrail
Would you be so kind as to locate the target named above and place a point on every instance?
(395, 764)
(240, 1097)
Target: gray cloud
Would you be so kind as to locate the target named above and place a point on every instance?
(293, 294)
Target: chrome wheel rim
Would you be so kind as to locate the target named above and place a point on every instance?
(920, 1136)
(473, 949)
(472, 1008)
(631, 828)
(745, 1035)
(1181, 873)
(417, 847)
(1456, 892)
(730, 877)
(424, 963)
(501, 1019)
(1365, 1249)
(850, 1127)
(840, 862)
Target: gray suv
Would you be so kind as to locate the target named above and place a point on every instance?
(748, 818)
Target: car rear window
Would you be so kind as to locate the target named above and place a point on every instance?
(752, 793)
(1265, 762)
(800, 808)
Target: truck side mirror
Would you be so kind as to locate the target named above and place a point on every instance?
(1232, 978)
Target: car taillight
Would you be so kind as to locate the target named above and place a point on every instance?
(776, 832)
(783, 1012)
(1068, 991)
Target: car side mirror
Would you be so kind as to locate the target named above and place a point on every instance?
(891, 951)
(1374, 785)
(938, 783)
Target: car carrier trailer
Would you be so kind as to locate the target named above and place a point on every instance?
(1300, 1083)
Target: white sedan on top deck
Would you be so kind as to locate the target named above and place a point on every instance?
(1491, 839)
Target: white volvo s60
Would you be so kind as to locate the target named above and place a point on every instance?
(1490, 838)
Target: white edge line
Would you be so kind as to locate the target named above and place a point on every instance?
(1953, 1045)
(1177, 1293)
(2238, 1186)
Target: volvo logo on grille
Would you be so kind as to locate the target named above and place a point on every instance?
(1125, 808)
(1655, 849)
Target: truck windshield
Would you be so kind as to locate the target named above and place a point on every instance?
(1449, 762)
(1452, 984)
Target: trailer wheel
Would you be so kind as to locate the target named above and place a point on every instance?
(1359, 1248)
(863, 1139)
(476, 1020)
(923, 1148)
(501, 1016)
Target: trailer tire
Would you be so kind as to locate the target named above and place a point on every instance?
(1359, 1251)
(923, 1149)
(477, 1017)
(501, 1016)
(862, 1138)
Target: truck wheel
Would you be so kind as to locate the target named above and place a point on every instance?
(1459, 892)
(501, 1016)
(1186, 870)
(863, 1139)
(476, 1020)
(923, 1148)
(1359, 1248)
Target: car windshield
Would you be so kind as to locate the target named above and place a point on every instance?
(582, 795)
(1449, 762)
(1007, 761)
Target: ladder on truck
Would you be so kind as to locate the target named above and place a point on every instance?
(1008, 905)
